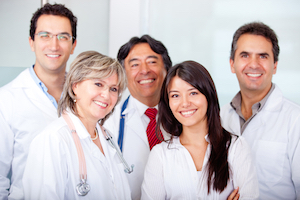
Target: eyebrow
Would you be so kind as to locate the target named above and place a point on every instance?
(135, 59)
(52, 33)
(193, 88)
(261, 54)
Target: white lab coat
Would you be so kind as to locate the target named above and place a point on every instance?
(52, 169)
(135, 144)
(24, 112)
(273, 135)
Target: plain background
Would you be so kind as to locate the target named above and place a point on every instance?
(199, 30)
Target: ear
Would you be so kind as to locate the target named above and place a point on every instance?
(275, 67)
(232, 65)
(31, 43)
(74, 88)
(73, 46)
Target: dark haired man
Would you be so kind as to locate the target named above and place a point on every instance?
(146, 62)
(259, 112)
(28, 103)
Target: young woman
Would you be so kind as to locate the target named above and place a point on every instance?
(71, 158)
(201, 160)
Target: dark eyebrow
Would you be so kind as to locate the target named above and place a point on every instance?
(135, 59)
(264, 54)
(244, 52)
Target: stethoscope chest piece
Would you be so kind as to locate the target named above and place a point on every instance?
(83, 188)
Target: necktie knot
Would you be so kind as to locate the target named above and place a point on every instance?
(151, 113)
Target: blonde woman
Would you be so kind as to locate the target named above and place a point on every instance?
(60, 166)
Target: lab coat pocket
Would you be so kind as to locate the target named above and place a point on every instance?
(270, 160)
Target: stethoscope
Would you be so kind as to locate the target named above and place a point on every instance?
(83, 187)
(122, 122)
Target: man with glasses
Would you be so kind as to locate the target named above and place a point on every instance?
(28, 103)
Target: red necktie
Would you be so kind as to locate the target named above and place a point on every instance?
(152, 138)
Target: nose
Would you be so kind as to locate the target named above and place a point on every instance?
(254, 62)
(144, 68)
(105, 93)
(185, 102)
(54, 43)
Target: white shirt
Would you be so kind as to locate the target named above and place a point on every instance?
(274, 138)
(135, 143)
(171, 173)
(52, 169)
(24, 112)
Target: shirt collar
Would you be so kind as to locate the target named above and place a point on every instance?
(141, 108)
(236, 102)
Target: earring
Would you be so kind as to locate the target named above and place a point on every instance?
(75, 100)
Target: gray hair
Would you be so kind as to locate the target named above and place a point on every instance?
(90, 65)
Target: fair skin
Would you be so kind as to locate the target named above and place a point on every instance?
(189, 107)
(145, 72)
(52, 56)
(254, 67)
(95, 98)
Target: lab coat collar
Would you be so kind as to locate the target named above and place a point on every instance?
(80, 128)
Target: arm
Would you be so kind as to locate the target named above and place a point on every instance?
(45, 174)
(243, 169)
(294, 154)
(6, 156)
(153, 184)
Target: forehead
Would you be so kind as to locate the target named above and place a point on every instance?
(254, 44)
(141, 51)
(53, 24)
(177, 83)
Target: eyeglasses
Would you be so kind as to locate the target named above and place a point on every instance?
(45, 36)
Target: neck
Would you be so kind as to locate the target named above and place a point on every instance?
(194, 134)
(53, 81)
(150, 102)
(249, 98)
(90, 126)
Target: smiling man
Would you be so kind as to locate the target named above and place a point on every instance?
(28, 103)
(146, 62)
(259, 112)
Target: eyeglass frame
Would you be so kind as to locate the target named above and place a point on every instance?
(56, 35)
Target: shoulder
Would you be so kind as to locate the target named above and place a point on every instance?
(56, 132)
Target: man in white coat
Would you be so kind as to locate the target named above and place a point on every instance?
(259, 112)
(146, 62)
(29, 102)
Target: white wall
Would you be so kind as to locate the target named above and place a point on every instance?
(199, 30)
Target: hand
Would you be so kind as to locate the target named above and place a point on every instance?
(234, 195)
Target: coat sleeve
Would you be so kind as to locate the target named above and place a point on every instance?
(294, 153)
(6, 156)
(45, 174)
(243, 169)
(153, 184)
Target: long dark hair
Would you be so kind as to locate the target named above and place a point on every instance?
(220, 140)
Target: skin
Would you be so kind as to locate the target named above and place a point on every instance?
(145, 72)
(189, 106)
(95, 98)
(254, 67)
(52, 56)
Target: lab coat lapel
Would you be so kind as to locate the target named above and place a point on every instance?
(35, 94)
(134, 124)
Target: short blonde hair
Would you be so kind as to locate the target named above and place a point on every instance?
(90, 65)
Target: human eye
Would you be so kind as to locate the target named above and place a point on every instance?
(263, 56)
(114, 89)
(98, 84)
(63, 37)
(244, 55)
(44, 35)
(174, 95)
(194, 93)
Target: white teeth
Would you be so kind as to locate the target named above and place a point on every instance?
(146, 81)
(254, 75)
(101, 104)
(52, 56)
(188, 112)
